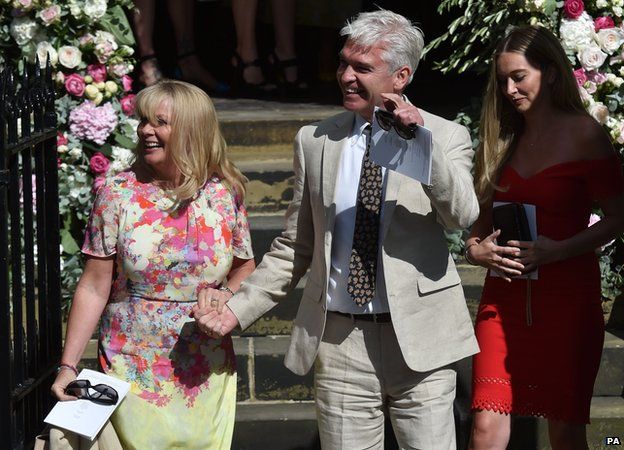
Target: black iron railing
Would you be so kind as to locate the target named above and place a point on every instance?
(30, 306)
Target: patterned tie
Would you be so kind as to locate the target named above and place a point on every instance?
(363, 261)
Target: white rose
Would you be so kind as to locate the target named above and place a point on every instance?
(119, 70)
(75, 152)
(75, 8)
(617, 10)
(61, 149)
(577, 33)
(599, 112)
(50, 14)
(591, 57)
(70, 56)
(105, 45)
(601, 3)
(23, 30)
(95, 9)
(45, 49)
(609, 39)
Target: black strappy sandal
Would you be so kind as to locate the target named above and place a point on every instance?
(279, 73)
(241, 86)
(217, 88)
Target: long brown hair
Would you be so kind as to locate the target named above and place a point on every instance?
(197, 146)
(500, 122)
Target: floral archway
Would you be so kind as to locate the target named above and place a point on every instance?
(90, 46)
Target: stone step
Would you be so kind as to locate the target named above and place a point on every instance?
(249, 122)
(293, 426)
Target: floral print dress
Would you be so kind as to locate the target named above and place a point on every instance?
(183, 383)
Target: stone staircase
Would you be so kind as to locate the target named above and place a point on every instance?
(275, 407)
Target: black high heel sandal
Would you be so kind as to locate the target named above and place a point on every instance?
(243, 87)
(219, 87)
(279, 73)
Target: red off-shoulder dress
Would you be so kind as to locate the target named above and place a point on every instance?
(546, 364)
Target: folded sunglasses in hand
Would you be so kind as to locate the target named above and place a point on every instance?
(98, 393)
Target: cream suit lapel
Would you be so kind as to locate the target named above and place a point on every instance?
(390, 201)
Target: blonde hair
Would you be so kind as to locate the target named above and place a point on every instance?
(197, 148)
(501, 124)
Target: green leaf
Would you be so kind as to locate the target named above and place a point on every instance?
(116, 23)
(124, 141)
(68, 242)
(550, 6)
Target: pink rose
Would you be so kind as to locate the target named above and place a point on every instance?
(75, 84)
(603, 22)
(127, 104)
(99, 163)
(580, 76)
(126, 82)
(98, 182)
(573, 8)
(61, 139)
(49, 15)
(97, 72)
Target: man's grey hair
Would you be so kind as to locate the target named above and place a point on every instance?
(403, 41)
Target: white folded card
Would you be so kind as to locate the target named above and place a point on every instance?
(410, 157)
(83, 416)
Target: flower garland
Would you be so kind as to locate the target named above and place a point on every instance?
(592, 34)
(90, 46)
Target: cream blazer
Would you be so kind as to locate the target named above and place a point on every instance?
(426, 300)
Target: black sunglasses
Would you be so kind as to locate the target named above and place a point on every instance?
(386, 121)
(99, 393)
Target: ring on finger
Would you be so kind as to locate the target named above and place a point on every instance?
(214, 302)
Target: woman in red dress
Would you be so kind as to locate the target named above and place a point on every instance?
(541, 339)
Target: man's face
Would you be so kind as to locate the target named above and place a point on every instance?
(363, 75)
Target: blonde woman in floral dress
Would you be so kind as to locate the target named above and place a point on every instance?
(169, 231)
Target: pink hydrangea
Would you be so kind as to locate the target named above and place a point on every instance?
(75, 84)
(99, 163)
(127, 104)
(93, 123)
(573, 8)
(603, 22)
(97, 72)
(580, 76)
(126, 82)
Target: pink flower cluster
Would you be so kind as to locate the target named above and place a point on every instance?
(94, 123)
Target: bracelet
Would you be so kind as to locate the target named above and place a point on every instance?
(62, 366)
(226, 289)
(472, 263)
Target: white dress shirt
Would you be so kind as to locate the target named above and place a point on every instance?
(345, 198)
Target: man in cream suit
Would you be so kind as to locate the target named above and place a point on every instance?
(383, 314)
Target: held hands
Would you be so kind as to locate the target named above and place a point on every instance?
(504, 260)
(212, 315)
(404, 112)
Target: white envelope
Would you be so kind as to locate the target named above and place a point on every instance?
(85, 417)
(411, 157)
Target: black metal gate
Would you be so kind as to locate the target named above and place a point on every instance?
(30, 308)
